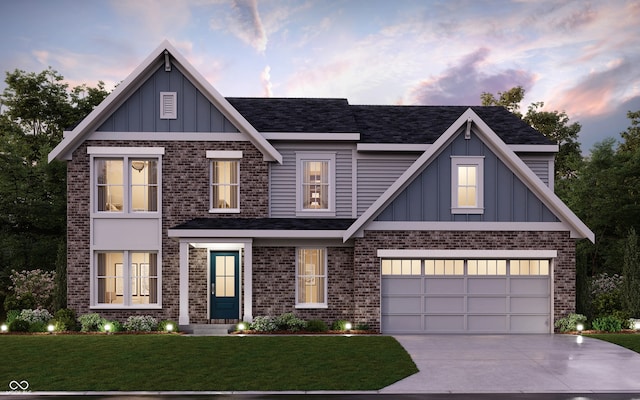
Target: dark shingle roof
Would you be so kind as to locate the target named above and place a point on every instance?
(321, 224)
(376, 123)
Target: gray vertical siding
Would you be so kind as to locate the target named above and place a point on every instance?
(283, 178)
(428, 197)
(141, 111)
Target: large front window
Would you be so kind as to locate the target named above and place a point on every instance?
(127, 278)
(311, 276)
(131, 189)
(225, 185)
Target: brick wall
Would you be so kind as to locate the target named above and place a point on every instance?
(367, 286)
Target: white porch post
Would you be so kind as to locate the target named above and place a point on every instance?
(183, 319)
(248, 281)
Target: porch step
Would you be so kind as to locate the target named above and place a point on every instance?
(207, 329)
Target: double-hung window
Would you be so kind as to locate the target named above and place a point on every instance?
(316, 183)
(467, 183)
(127, 278)
(311, 278)
(224, 185)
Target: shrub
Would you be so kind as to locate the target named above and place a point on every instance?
(162, 326)
(36, 316)
(91, 322)
(570, 322)
(608, 323)
(38, 327)
(289, 322)
(114, 326)
(264, 324)
(12, 315)
(19, 325)
(339, 325)
(36, 285)
(363, 327)
(141, 323)
(65, 320)
(317, 325)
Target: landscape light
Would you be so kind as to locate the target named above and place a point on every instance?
(107, 328)
(50, 328)
(580, 328)
(636, 325)
(347, 326)
(242, 326)
(4, 328)
(579, 339)
(169, 328)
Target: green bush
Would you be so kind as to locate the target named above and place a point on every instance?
(317, 325)
(363, 327)
(141, 323)
(91, 322)
(114, 326)
(339, 325)
(162, 325)
(608, 323)
(38, 327)
(19, 325)
(264, 324)
(12, 315)
(65, 320)
(289, 322)
(570, 322)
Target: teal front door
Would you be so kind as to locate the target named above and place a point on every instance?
(225, 285)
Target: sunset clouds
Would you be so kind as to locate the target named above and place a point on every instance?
(577, 56)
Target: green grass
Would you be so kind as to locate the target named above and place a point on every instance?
(176, 362)
(628, 340)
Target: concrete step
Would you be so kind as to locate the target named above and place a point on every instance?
(207, 329)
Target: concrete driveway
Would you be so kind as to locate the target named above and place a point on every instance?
(517, 363)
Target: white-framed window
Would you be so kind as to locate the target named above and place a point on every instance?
(467, 185)
(224, 182)
(128, 182)
(311, 278)
(315, 193)
(126, 279)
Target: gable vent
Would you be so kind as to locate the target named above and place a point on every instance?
(168, 105)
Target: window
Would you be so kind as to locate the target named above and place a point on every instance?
(225, 186)
(467, 185)
(134, 189)
(315, 183)
(443, 267)
(487, 267)
(529, 267)
(311, 277)
(127, 278)
(401, 267)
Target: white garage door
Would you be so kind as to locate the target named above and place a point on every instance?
(466, 296)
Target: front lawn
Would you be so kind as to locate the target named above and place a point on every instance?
(629, 340)
(176, 362)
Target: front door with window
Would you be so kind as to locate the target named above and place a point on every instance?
(225, 285)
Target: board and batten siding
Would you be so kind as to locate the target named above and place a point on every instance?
(282, 178)
(376, 173)
(141, 111)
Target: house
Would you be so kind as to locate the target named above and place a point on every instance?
(187, 205)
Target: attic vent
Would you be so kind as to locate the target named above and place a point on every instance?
(168, 105)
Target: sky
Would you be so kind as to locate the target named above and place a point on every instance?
(581, 57)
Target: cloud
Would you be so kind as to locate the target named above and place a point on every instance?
(464, 83)
(247, 25)
(265, 78)
(155, 18)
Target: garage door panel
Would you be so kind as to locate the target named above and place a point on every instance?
(444, 285)
(530, 286)
(492, 305)
(402, 323)
(443, 305)
(533, 305)
(487, 286)
(395, 285)
(444, 323)
(529, 324)
(487, 323)
(402, 305)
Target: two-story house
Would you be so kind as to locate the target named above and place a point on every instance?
(187, 205)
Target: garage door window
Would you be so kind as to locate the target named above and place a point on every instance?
(401, 267)
(443, 267)
(529, 267)
(486, 267)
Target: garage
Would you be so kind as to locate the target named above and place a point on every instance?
(466, 295)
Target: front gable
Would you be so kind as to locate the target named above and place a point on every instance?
(429, 196)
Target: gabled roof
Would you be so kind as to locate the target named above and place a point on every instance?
(73, 139)
(506, 155)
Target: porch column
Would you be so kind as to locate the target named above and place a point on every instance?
(183, 318)
(248, 281)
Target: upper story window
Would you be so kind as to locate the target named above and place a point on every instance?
(316, 183)
(467, 183)
(129, 183)
(225, 181)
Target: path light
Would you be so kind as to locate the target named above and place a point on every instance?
(169, 328)
(242, 326)
(4, 328)
(636, 324)
(50, 328)
(580, 328)
(347, 326)
(107, 328)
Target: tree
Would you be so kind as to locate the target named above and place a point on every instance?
(631, 274)
(632, 135)
(35, 108)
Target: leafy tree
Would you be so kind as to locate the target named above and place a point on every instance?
(35, 108)
(632, 135)
(631, 274)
